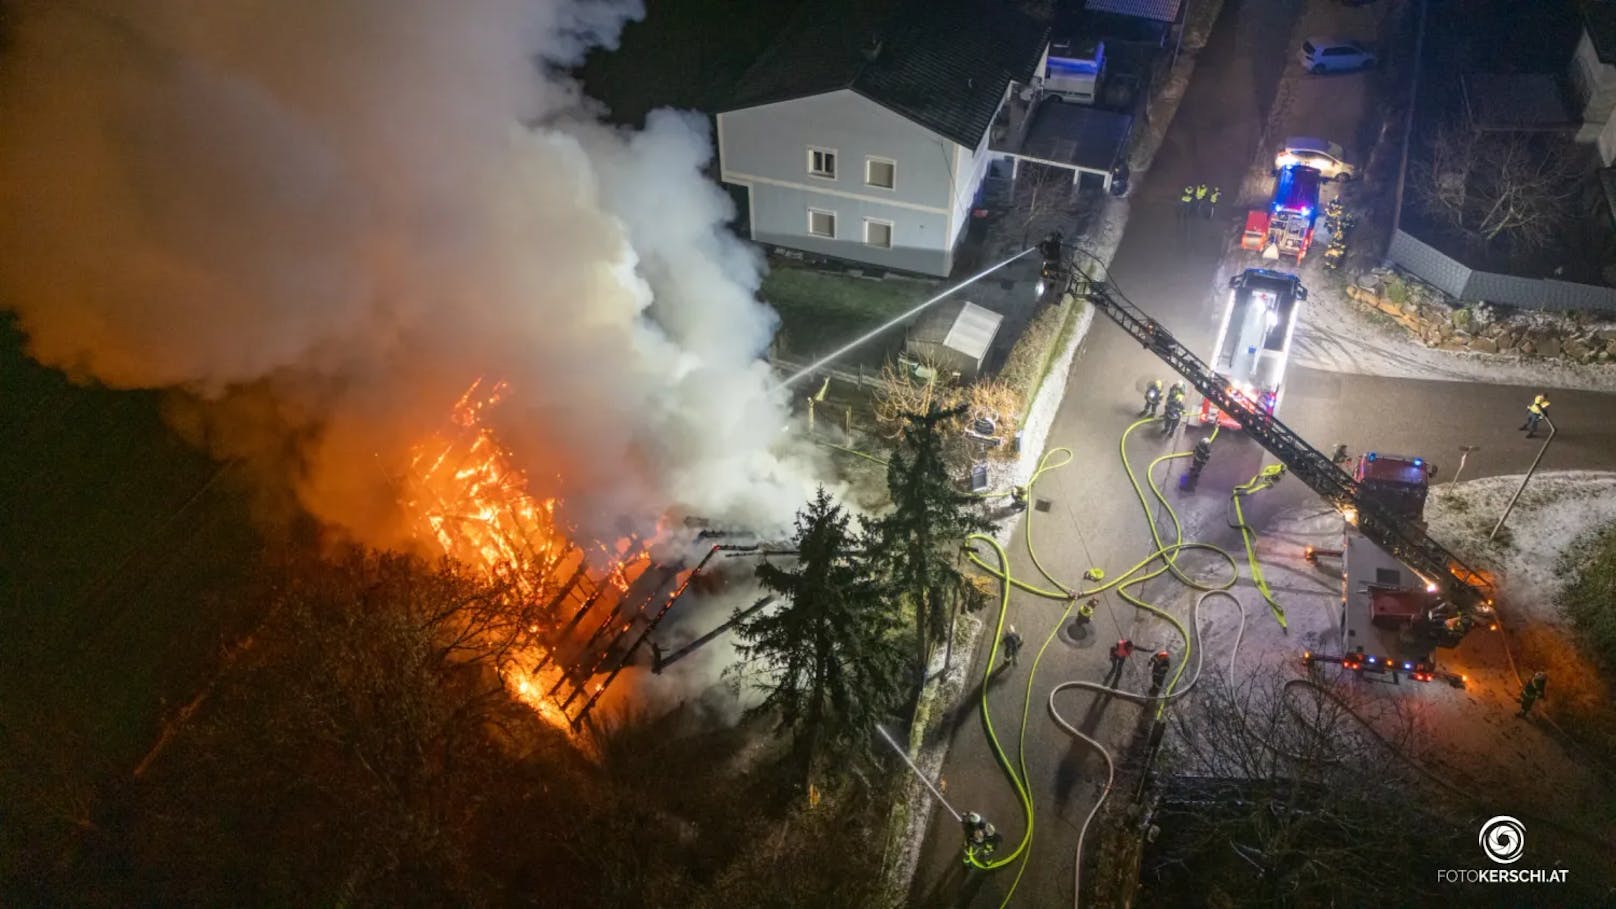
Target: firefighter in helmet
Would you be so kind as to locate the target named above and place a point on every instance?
(1159, 663)
(1176, 393)
(1153, 393)
(1212, 201)
(1050, 249)
(1202, 454)
(1200, 195)
(1185, 200)
(980, 835)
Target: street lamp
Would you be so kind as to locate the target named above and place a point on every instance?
(1464, 452)
(1524, 480)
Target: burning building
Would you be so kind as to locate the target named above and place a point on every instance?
(327, 220)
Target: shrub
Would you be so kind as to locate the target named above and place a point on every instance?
(1396, 290)
(1034, 352)
(1589, 598)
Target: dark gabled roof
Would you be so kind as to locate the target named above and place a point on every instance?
(1600, 20)
(941, 63)
(1155, 10)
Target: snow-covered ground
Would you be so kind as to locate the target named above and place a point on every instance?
(1469, 736)
(1339, 335)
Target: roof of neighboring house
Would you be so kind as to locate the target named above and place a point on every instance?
(1159, 10)
(1600, 21)
(941, 63)
(1517, 102)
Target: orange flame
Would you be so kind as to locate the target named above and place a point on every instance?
(465, 496)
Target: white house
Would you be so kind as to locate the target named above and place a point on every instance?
(863, 133)
(1593, 78)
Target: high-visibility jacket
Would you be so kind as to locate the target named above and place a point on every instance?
(1188, 195)
(1200, 191)
(1538, 406)
(1217, 192)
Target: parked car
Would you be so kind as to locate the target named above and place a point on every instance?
(1334, 55)
(1325, 157)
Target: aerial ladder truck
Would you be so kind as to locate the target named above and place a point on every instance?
(1461, 596)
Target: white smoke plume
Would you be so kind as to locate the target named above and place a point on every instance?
(327, 218)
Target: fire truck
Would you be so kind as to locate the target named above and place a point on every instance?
(1377, 501)
(1288, 222)
(1254, 340)
(1392, 617)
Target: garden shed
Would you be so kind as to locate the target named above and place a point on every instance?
(956, 336)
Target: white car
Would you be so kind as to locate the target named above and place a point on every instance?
(1334, 55)
(1325, 157)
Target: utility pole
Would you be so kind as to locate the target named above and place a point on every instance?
(1524, 480)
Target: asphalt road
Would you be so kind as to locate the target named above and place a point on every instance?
(1087, 515)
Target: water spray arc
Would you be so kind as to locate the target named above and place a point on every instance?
(895, 320)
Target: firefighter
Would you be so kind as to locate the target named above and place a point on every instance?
(1153, 393)
(979, 835)
(1175, 408)
(1159, 662)
(1200, 196)
(1212, 201)
(1050, 249)
(1120, 651)
(1202, 454)
(1018, 498)
(1012, 646)
(1085, 612)
(1186, 199)
(1535, 412)
(1340, 456)
(1533, 691)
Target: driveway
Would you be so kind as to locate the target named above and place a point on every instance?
(1087, 515)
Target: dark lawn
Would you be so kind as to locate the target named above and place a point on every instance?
(119, 548)
(821, 310)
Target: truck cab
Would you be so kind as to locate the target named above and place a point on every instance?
(1073, 70)
(1294, 208)
(1254, 340)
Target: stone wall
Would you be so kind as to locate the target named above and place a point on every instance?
(1439, 321)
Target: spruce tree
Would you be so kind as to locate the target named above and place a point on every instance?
(832, 653)
(923, 537)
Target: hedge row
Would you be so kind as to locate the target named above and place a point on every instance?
(1035, 351)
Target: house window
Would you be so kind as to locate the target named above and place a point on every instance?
(878, 233)
(822, 223)
(1388, 577)
(881, 173)
(822, 162)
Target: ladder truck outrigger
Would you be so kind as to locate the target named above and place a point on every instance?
(1378, 508)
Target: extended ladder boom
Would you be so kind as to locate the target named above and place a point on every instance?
(1466, 589)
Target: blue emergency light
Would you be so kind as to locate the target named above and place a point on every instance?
(1418, 462)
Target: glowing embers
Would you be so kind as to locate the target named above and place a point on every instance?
(564, 607)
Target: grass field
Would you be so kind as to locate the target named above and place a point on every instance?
(119, 549)
(821, 310)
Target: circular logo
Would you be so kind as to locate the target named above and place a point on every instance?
(1503, 838)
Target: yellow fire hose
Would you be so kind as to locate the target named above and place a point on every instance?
(1123, 584)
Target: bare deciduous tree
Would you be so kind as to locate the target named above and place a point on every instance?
(1045, 191)
(1513, 189)
(905, 390)
(1277, 796)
